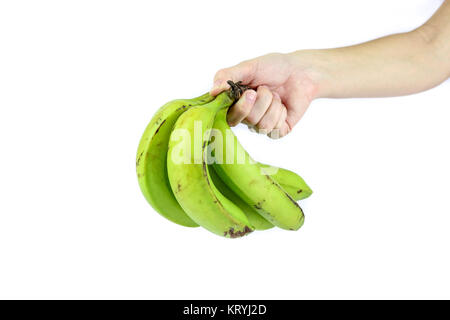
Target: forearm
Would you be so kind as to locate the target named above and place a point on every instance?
(395, 65)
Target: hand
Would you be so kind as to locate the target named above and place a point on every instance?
(284, 88)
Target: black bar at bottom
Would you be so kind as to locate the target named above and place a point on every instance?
(221, 309)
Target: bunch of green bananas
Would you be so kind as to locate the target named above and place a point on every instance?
(231, 197)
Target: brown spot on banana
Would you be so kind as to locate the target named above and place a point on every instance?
(258, 206)
(139, 158)
(205, 172)
(159, 127)
(287, 194)
(237, 234)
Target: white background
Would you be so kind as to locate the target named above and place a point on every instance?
(79, 80)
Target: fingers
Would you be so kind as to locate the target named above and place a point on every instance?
(244, 72)
(262, 110)
(271, 117)
(262, 103)
(282, 128)
(241, 108)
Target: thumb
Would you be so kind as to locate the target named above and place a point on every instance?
(243, 71)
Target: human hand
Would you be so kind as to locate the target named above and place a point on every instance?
(284, 88)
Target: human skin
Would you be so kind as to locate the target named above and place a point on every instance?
(284, 85)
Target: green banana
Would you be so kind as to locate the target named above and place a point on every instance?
(152, 175)
(190, 179)
(151, 160)
(291, 182)
(195, 194)
(253, 216)
(251, 182)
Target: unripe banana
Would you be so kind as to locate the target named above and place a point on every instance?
(253, 216)
(189, 176)
(152, 175)
(229, 218)
(252, 183)
(151, 160)
(291, 182)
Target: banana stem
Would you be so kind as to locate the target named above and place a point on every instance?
(237, 89)
(227, 98)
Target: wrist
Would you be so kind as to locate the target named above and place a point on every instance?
(309, 69)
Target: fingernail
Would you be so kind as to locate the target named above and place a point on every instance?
(231, 122)
(251, 128)
(250, 95)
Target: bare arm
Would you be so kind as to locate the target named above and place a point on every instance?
(285, 84)
(395, 65)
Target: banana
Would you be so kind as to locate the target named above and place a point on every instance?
(189, 176)
(251, 181)
(151, 160)
(253, 216)
(291, 182)
(195, 194)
